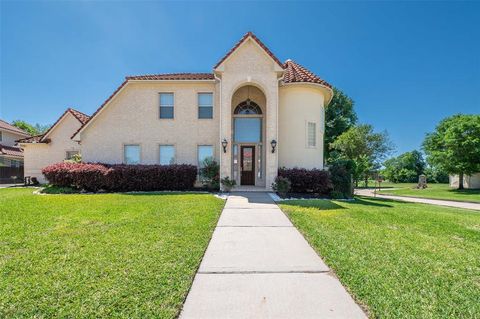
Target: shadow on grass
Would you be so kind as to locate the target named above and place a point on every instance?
(328, 204)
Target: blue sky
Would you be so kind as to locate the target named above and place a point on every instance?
(407, 65)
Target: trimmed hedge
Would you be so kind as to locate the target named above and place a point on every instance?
(121, 178)
(303, 180)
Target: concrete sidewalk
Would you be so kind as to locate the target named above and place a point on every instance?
(449, 203)
(258, 265)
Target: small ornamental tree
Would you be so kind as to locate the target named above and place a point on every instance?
(454, 146)
(363, 146)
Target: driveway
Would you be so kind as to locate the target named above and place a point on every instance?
(258, 265)
(449, 203)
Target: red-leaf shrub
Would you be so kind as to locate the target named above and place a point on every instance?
(303, 180)
(93, 177)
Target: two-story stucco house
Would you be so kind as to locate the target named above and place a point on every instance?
(253, 114)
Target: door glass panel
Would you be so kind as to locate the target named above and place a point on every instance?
(247, 159)
(248, 130)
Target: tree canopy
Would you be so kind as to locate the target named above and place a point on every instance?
(404, 168)
(339, 117)
(364, 146)
(35, 129)
(454, 146)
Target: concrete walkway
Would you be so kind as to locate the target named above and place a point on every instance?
(258, 265)
(369, 193)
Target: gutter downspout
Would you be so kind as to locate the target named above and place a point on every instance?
(221, 126)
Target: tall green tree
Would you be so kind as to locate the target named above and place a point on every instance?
(404, 168)
(339, 117)
(35, 129)
(454, 146)
(365, 147)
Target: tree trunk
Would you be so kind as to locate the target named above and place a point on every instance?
(366, 180)
(460, 181)
(356, 182)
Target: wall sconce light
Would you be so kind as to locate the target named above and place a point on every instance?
(224, 145)
(274, 145)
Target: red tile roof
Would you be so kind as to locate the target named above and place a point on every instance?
(81, 117)
(173, 76)
(9, 127)
(32, 139)
(260, 43)
(294, 73)
(11, 151)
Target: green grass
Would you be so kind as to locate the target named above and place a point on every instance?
(401, 260)
(100, 256)
(434, 191)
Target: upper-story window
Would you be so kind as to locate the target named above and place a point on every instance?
(205, 105)
(311, 134)
(166, 105)
(131, 154)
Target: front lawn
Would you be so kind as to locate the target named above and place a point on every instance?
(434, 191)
(401, 260)
(100, 256)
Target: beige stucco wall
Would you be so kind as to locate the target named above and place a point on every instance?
(132, 117)
(472, 182)
(9, 138)
(249, 65)
(37, 156)
(299, 104)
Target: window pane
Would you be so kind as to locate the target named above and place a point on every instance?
(167, 154)
(312, 136)
(132, 154)
(248, 130)
(205, 99)
(166, 112)
(204, 151)
(71, 154)
(205, 112)
(166, 99)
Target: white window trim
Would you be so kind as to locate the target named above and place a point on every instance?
(307, 145)
(160, 105)
(213, 105)
(140, 153)
(174, 153)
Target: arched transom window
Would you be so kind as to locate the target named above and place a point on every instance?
(248, 107)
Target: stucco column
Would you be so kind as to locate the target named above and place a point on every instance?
(225, 133)
(271, 123)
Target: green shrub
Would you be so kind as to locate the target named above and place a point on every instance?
(210, 174)
(341, 172)
(228, 183)
(281, 185)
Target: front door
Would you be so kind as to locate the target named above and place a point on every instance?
(247, 168)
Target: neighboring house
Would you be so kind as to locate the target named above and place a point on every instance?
(469, 181)
(11, 156)
(53, 146)
(253, 114)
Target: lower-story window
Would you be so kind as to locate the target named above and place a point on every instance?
(69, 155)
(131, 154)
(167, 154)
(204, 152)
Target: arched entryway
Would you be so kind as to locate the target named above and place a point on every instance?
(248, 132)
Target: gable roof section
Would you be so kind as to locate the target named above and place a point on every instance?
(295, 73)
(242, 40)
(4, 125)
(42, 138)
(11, 151)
